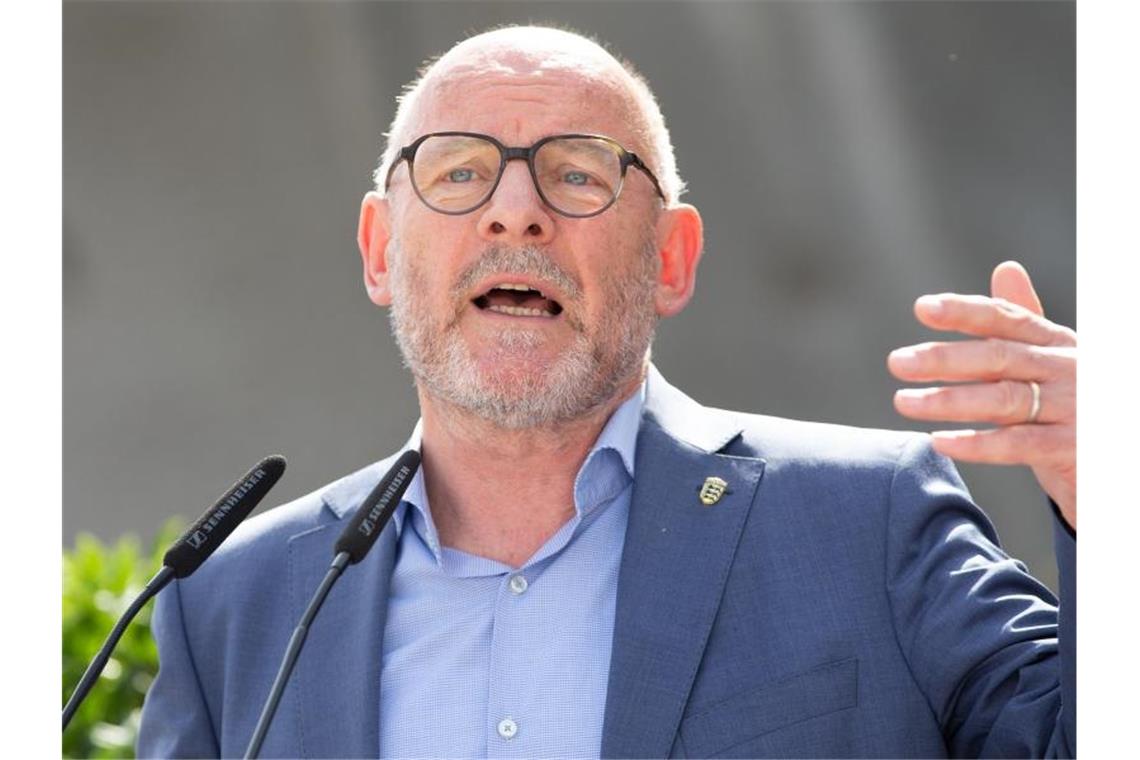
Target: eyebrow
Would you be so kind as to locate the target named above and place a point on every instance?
(460, 144)
(588, 146)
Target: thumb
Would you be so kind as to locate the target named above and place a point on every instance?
(1011, 282)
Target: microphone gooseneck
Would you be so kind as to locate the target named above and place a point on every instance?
(184, 557)
(153, 586)
(351, 547)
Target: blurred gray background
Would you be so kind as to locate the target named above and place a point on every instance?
(847, 157)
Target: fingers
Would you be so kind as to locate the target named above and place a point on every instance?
(978, 360)
(1020, 349)
(1014, 444)
(1001, 403)
(1011, 282)
(991, 318)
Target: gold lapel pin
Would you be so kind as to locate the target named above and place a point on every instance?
(712, 490)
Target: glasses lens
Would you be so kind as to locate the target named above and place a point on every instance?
(455, 173)
(578, 175)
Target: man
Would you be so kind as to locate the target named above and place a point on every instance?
(589, 562)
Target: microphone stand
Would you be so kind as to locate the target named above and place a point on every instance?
(354, 542)
(91, 675)
(186, 555)
(296, 641)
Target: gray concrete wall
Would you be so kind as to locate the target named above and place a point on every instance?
(847, 157)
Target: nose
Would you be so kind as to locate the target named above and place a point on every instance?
(515, 213)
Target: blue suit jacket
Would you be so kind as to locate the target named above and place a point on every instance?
(844, 598)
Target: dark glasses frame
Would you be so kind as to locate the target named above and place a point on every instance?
(506, 153)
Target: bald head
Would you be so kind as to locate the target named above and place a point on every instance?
(538, 55)
(526, 51)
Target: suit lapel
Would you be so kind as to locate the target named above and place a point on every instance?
(675, 563)
(336, 685)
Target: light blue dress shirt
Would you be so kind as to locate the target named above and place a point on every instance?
(482, 660)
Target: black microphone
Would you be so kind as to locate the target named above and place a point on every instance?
(203, 537)
(184, 557)
(354, 542)
(364, 528)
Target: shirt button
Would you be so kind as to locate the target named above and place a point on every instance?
(518, 584)
(508, 728)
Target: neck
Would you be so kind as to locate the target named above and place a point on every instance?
(501, 493)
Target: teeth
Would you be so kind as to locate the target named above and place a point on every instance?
(519, 311)
(516, 286)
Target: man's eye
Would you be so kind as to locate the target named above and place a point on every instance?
(576, 178)
(460, 175)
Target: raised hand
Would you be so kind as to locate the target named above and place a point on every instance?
(1021, 376)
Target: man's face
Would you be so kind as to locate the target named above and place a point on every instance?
(596, 275)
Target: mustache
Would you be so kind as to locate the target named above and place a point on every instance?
(529, 260)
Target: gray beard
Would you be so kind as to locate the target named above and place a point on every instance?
(585, 377)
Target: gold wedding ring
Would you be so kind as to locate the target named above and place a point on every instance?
(1035, 407)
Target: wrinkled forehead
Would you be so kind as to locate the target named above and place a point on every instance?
(566, 89)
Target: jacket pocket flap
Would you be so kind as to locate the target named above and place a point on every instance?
(821, 690)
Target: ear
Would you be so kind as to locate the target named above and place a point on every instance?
(372, 236)
(680, 242)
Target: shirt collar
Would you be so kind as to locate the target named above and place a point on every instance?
(619, 436)
(620, 432)
(416, 494)
(608, 467)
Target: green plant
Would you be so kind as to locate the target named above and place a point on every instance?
(99, 582)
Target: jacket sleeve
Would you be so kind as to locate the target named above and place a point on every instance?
(989, 645)
(175, 719)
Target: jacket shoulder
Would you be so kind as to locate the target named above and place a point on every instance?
(780, 440)
(777, 440)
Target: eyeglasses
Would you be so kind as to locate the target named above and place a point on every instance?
(576, 175)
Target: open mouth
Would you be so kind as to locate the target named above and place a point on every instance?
(518, 300)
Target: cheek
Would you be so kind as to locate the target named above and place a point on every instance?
(617, 292)
(434, 252)
(424, 228)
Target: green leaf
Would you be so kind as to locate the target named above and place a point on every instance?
(99, 583)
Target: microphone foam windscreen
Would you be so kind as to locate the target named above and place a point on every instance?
(213, 527)
(365, 526)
